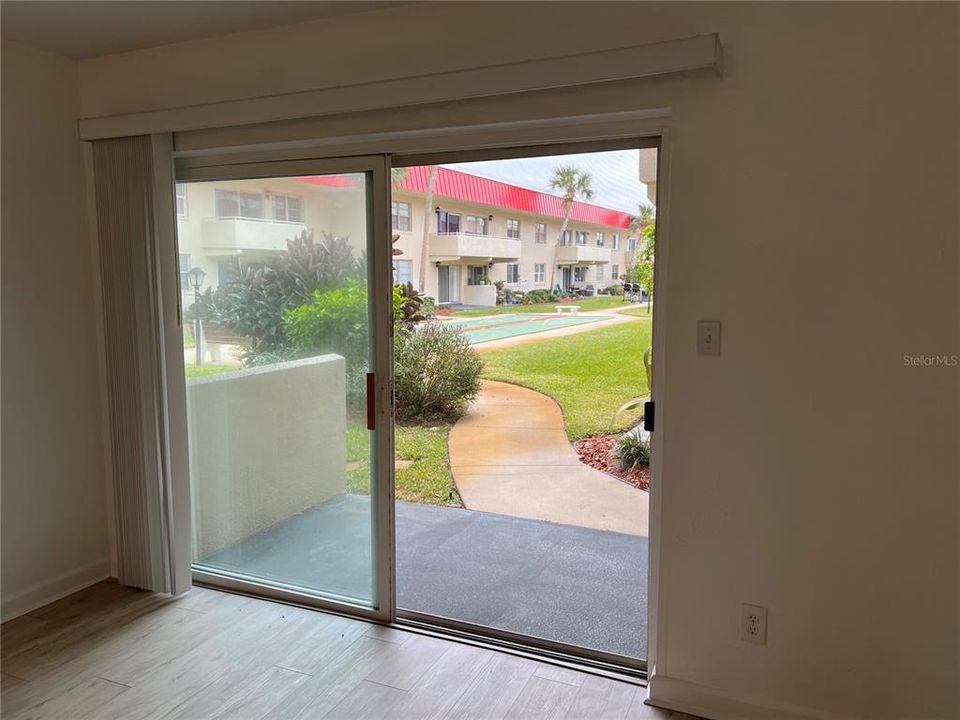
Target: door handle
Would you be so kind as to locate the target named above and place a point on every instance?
(371, 401)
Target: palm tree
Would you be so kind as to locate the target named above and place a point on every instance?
(427, 217)
(397, 175)
(644, 219)
(573, 183)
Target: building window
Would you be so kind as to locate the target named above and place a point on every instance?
(631, 243)
(448, 222)
(232, 204)
(599, 273)
(184, 272)
(567, 237)
(513, 273)
(614, 272)
(228, 270)
(539, 272)
(181, 193)
(400, 212)
(615, 239)
(402, 271)
(581, 237)
(513, 228)
(600, 239)
(475, 225)
(287, 208)
(579, 274)
(476, 274)
(540, 233)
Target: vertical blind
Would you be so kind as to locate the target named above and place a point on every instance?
(134, 190)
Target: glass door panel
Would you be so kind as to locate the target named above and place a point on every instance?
(278, 336)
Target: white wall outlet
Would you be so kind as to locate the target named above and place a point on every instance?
(708, 337)
(753, 624)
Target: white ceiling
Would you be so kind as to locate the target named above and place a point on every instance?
(82, 29)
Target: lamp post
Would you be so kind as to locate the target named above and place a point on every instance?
(196, 276)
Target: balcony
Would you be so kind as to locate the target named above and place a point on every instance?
(582, 255)
(231, 234)
(448, 247)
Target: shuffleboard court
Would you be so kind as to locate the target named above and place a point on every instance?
(498, 327)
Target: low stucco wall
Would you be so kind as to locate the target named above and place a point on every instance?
(265, 444)
(483, 295)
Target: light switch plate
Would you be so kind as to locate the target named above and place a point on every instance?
(708, 337)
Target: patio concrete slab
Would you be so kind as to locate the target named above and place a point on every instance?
(510, 455)
(574, 585)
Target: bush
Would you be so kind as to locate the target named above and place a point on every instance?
(632, 451)
(334, 321)
(540, 295)
(436, 373)
(616, 289)
(428, 308)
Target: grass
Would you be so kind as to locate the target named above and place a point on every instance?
(194, 371)
(590, 374)
(638, 310)
(601, 302)
(427, 480)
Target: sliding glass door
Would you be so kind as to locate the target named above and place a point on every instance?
(285, 291)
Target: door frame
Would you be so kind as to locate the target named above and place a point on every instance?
(644, 128)
(380, 284)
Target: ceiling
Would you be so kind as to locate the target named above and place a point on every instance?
(88, 29)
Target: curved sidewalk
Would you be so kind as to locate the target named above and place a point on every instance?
(510, 455)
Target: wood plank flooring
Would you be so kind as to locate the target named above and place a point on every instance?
(111, 652)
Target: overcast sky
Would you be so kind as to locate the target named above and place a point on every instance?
(615, 175)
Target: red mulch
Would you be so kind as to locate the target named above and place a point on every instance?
(597, 452)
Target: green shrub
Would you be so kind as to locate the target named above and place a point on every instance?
(407, 305)
(616, 289)
(334, 321)
(428, 308)
(436, 373)
(632, 451)
(539, 295)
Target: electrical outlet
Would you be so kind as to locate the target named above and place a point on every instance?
(753, 624)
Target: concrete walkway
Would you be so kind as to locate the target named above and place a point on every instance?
(510, 455)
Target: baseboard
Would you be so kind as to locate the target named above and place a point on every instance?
(48, 591)
(682, 696)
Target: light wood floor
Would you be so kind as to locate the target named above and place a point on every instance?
(113, 652)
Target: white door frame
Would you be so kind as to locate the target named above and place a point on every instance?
(587, 133)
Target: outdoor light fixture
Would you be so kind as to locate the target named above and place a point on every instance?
(490, 218)
(437, 263)
(437, 209)
(196, 276)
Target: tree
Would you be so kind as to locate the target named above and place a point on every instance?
(425, 242)
(641, 272)
(646, 217)
(573, 183)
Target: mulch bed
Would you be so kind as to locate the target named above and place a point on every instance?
(597, 452)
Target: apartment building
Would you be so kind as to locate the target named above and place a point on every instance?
(480, 231)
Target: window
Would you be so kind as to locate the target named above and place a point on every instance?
(184, 272)
(231, 204)
(475, 225)
(228, 270)
(476, 274)
(614, 272)
(567, 237)
(581, 237)
(540, 233)
(600, 239)
(615, 239)
(598, 274)
(180, 190)
(400, 211)
(287, 208)
(402, 271)
(513, 273)
(513, 228)
(631, 243)
(579, 274)
(539, 272)
(448, 222)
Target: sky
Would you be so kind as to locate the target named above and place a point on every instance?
(614, 175)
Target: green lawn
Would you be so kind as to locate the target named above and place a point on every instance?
(638, 310)
(590, 374)
(209, 369)
(601, 302)
(427, 480)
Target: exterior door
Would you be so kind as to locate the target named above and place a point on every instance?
(443, 284)
(289, 422)
(567, 274)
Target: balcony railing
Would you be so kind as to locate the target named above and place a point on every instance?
(464, 246)
(580, 254)
(244, 233)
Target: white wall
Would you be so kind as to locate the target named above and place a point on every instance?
(814, 210)
(54, 533)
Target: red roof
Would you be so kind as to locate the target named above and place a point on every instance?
(457, 185)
